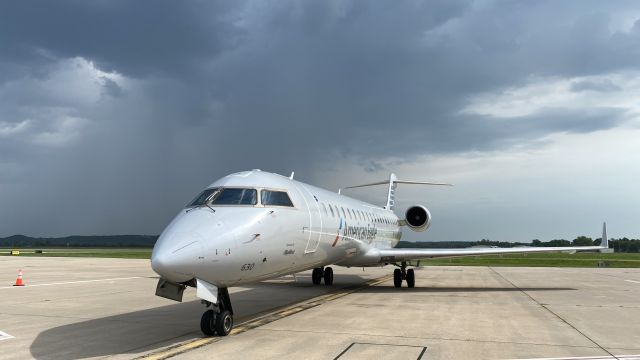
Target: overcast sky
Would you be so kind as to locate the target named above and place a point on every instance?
(114, 114)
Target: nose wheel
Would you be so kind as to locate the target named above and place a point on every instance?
(207, 323)
(319, 274)
(218, 320)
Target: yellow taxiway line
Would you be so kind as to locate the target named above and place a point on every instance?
(261, 320)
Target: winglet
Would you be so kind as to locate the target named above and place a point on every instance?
(605, 240)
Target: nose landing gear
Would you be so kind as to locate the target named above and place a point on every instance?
(318, 274)
(404, 274)
(219, 319)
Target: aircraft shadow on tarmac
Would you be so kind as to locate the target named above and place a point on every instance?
(154, 328)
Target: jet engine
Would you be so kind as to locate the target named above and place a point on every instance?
(418, 218)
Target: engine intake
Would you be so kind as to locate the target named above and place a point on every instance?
(418, 218)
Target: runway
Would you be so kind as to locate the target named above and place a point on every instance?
(76, 308)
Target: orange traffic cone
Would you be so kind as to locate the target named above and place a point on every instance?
(19, 279)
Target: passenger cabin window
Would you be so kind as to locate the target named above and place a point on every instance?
(324, 208)
(203, 197)
(275, 198)
(236, 196)
(331, 209)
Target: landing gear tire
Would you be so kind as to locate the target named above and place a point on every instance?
(207, 323)
(411, 278)
(224, 323)
(316, 276)
(328, 276)
(397, 278)
(219, 320)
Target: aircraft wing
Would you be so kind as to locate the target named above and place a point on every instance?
(394, 255)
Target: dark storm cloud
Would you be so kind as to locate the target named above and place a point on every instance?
(134, 38)
(355, 82)
(184, 92)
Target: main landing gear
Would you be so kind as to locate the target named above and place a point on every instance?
(318, 274)
(404, 274)
(218, 320)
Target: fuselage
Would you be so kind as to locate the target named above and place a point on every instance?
(229, 244)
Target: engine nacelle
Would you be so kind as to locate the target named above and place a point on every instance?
(418, 218)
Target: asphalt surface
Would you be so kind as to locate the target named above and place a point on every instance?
(76, 308)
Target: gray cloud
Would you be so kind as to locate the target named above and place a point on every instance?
(601, 86)
(136, 39)
(184, 93)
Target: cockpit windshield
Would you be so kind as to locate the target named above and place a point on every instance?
(236, 196)
(204, 197)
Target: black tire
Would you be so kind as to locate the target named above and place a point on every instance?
(411, 278)
(317, 277)
(328, 276)
(206, 323)
(397, 278)
(224, 323)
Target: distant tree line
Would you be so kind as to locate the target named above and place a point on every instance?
(625, 245)
(21, 241)
(147, 241)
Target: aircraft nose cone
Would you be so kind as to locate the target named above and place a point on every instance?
(177, 258)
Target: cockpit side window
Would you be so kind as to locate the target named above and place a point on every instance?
(275, 198)
(203, 197)
(236, 196)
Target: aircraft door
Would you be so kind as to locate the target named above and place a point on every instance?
(315, 220)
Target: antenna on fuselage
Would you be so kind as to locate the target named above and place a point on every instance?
(291, 176)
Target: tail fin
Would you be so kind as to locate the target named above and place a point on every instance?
(605, 240)
(393, 180)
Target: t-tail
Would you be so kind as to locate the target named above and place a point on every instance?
(392, 182)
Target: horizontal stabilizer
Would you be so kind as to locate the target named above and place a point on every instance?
(393, 180)
(398, 182)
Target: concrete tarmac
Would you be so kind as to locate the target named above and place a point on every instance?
(76, 308)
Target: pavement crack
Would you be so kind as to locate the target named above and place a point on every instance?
(544, 306)
(429, 338)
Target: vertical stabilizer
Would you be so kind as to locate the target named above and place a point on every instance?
(391, 195)
(605, 240)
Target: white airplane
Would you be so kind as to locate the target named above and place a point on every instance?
(254, 225)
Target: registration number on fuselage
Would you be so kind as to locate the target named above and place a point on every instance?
(247, 267)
